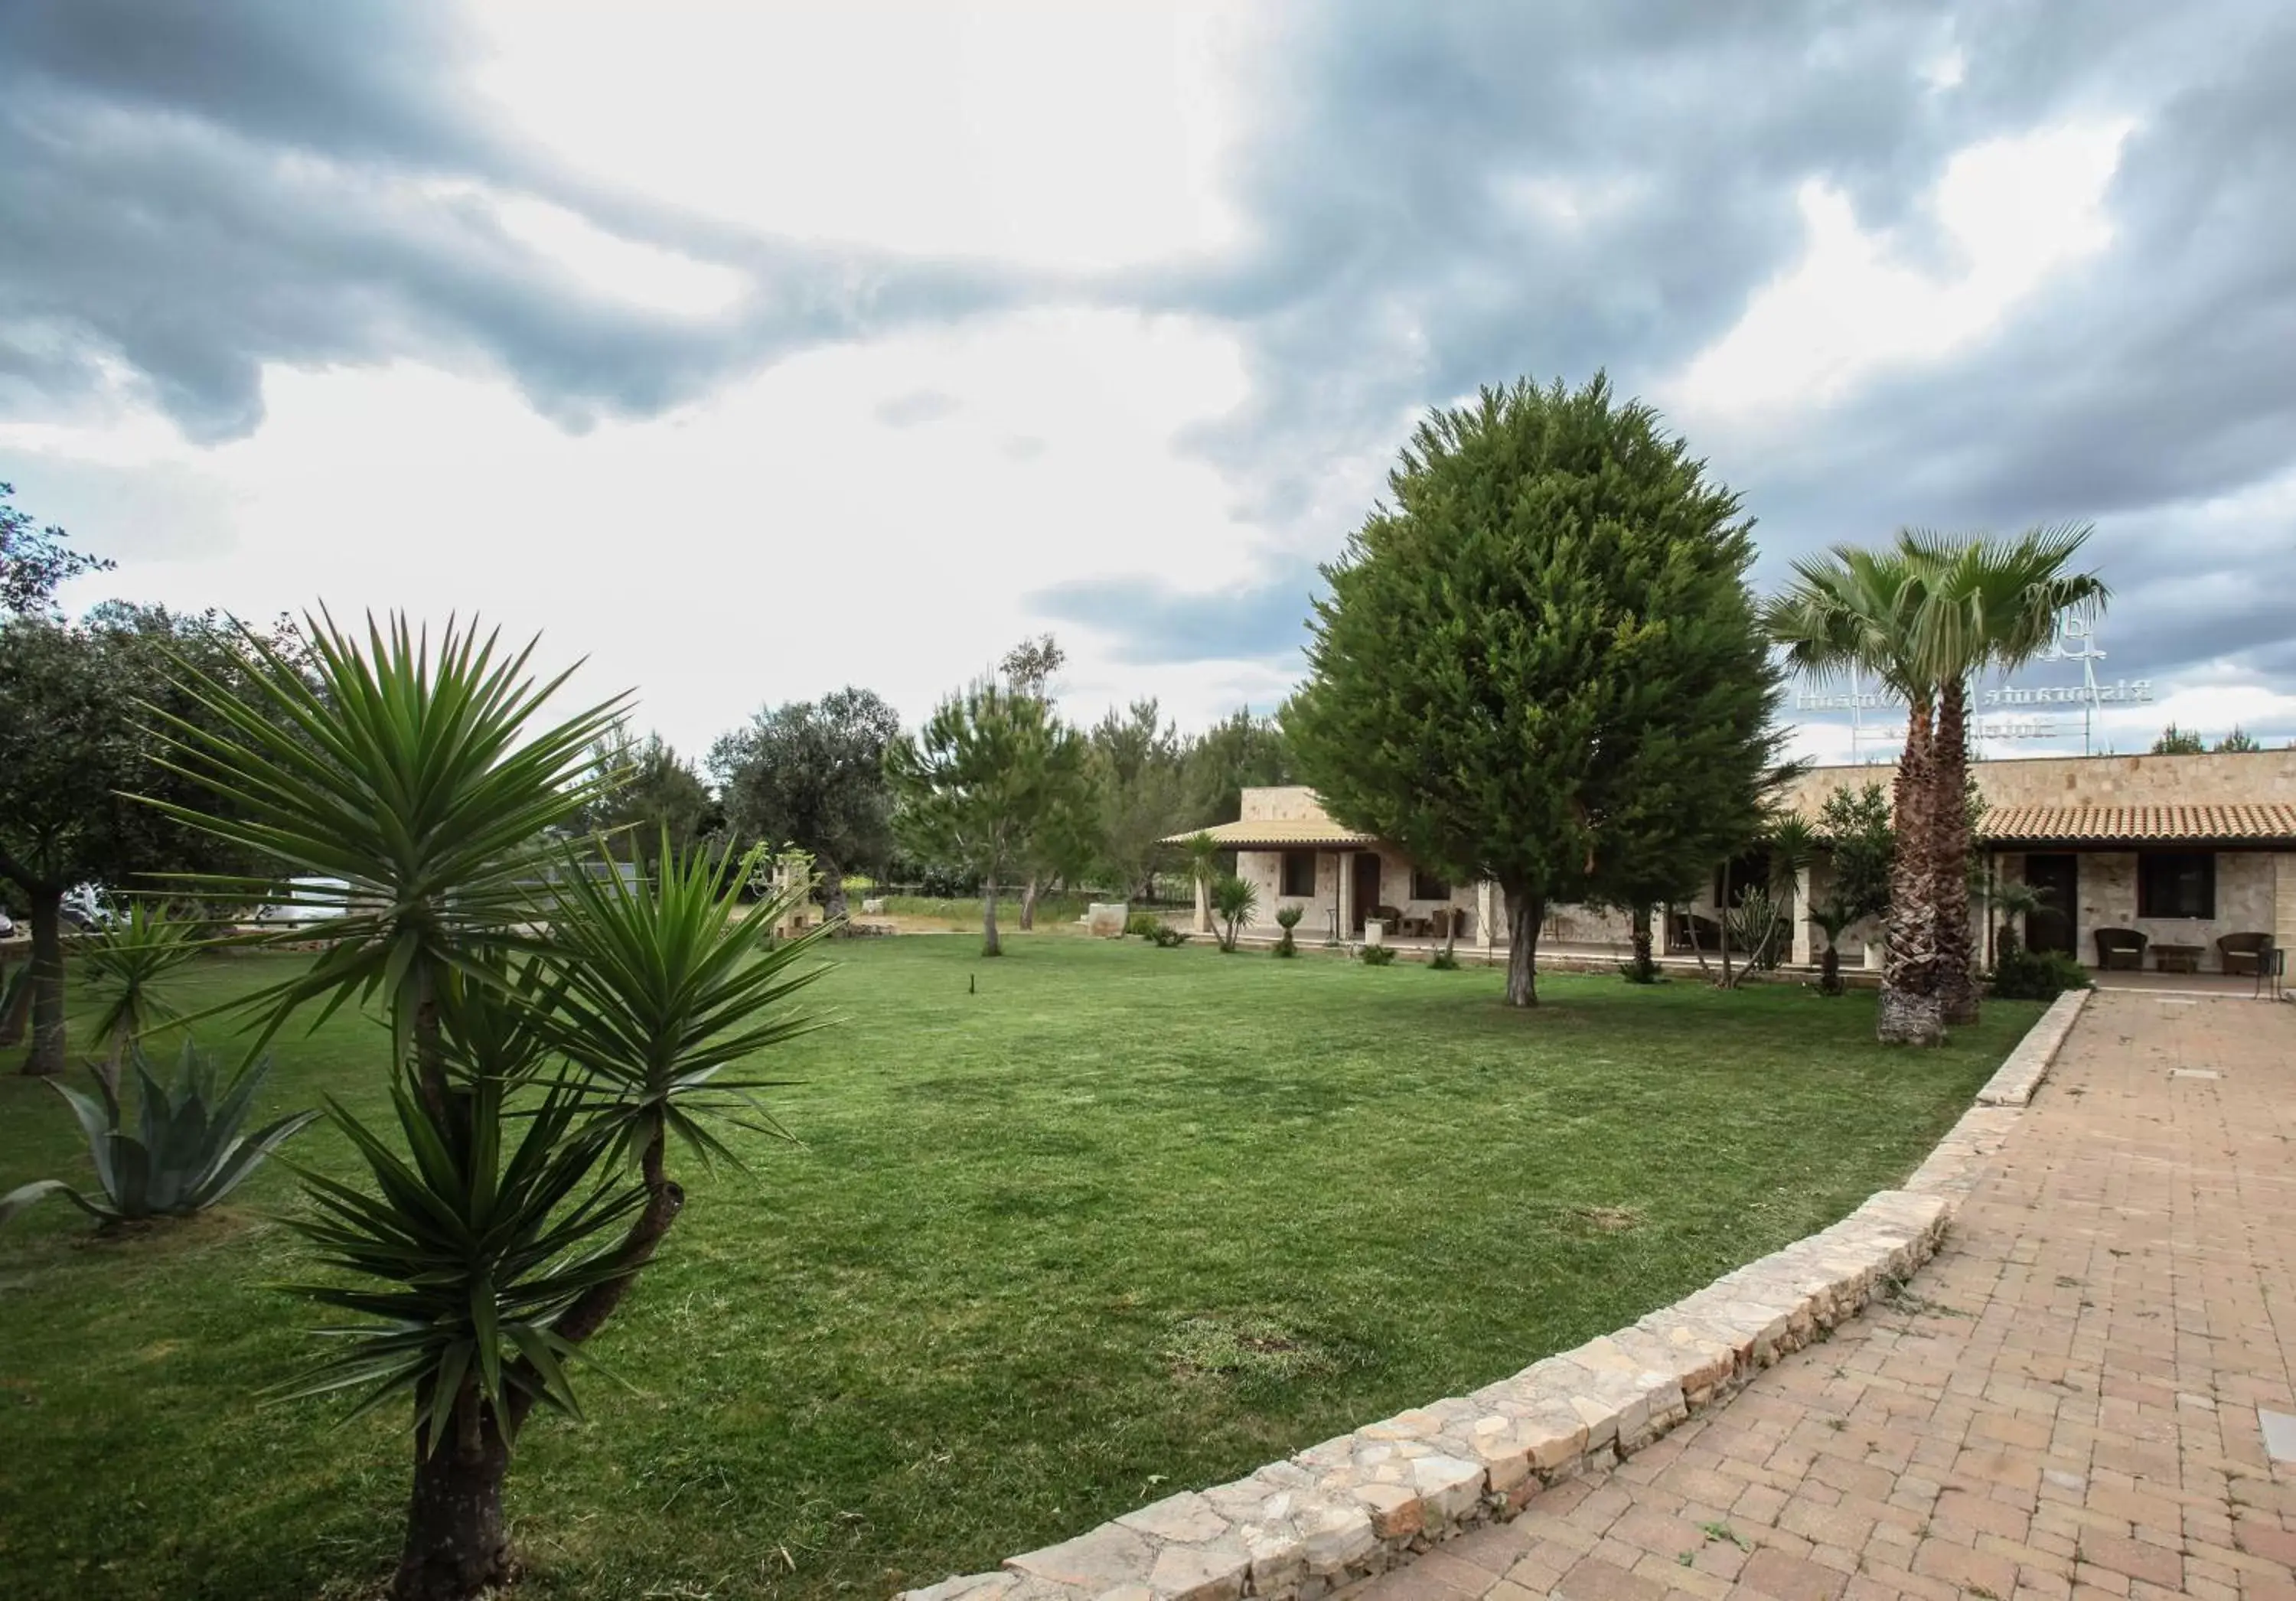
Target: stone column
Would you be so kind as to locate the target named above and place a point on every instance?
(1346, 863)
(1802, 954)
(1203, 906)
(2283, 901)
(1485, 922)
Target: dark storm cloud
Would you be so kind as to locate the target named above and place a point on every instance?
(1444, 197)
(189, 191)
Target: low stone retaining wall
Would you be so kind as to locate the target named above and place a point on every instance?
(1358, 1504)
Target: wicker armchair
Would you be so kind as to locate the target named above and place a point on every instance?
(2120, 949)
(2244, 954)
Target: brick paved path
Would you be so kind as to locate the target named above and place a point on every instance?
(2063, 1405)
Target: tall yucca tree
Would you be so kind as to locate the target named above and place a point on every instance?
(1860, 609)
(1989, 604)
(554, 1025)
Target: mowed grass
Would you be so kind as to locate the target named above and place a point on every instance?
(1123, 1221)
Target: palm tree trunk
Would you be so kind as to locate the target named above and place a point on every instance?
(1525, 912)
(1958, 979)
(1909, 1013)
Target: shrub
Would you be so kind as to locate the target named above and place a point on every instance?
(1235, 900)
(1443, 961)
(1142, 924)
(1166, 937)
(1287, 919)
(1378, 955)
(2021, 974)
(186, 1154)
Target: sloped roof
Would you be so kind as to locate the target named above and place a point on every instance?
(1276, 833)
(2259, 822)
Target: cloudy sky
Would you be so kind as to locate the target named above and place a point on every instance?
(754, 349)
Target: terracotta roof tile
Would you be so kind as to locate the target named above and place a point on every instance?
(1276, 833)
(2254, 823)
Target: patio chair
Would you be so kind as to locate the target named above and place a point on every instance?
(2119, 949)
(2243, 953)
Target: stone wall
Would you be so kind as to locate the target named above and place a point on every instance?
(2249, 897)
(2216, 778)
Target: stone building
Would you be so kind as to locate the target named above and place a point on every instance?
(2181, 850)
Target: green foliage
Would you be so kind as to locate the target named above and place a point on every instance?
(2178, 741)
(1539, 664)
(554, 1022)
(1444, 961)
(1142, 924)
(1757, 926)
(1167, 937)
(1287, 918)
(2239, 740)
(1855, 824)
(1234, 900)
(2022, 974)
(1377, 955)
(35, 559)
(187, 1151)
(993, 782)
(127, 966)
(645, 799)
(406, 772)
(1238, 752)
(1137, 768)
(813, 772)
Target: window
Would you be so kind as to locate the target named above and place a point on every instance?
(1426, 886)
(2176, 883)
(1298, 873)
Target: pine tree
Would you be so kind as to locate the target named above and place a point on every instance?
(1539, 665)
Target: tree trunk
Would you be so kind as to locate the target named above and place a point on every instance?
(1910, 1012)
(1957, 984)
(46, 983)
(1722, 922)
(834, 907)
(1643, 970)
(989, 944)
(1829, 971)
(1028, 905)
(1525, 913)
(455, 1542)
(16, 1008)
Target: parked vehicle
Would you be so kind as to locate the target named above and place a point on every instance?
(85, 908)
(7, 925)
(308, 901)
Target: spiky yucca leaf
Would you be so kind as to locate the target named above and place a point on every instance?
(126, 965)
(414, 777)
(664, 985)
(468, 1251)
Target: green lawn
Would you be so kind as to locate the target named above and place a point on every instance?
(1124, 1220)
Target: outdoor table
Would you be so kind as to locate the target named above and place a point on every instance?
(2176, 958)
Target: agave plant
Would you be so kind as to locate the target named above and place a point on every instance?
(187, 1151)
(127, 966)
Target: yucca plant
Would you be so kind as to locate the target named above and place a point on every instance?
(1235, 900)
(1830, 917)
(127, 966)
(187, 1151)
(554, 1025)
(1287, 918)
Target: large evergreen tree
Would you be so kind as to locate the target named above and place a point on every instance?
(1539, 664)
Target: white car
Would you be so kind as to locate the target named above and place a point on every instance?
(308, 901)
(84, 907)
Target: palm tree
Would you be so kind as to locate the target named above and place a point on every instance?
(1988, 604)
(1859, 609)
(557, 1026)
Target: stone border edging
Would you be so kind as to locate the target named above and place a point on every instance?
(2023, 1068)
(1355, 1506)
